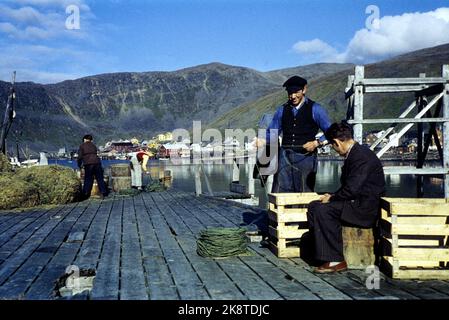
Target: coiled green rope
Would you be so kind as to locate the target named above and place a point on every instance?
(222, 242)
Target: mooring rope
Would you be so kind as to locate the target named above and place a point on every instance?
(222, 242)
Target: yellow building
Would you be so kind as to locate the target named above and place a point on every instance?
(168, 136)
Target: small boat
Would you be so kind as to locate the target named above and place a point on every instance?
(30, 162)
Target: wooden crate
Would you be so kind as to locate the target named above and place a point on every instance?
(414, 238)
(288, 221)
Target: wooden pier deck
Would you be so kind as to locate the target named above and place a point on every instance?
(144, 247)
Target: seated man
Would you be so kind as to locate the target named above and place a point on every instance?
(356, 202)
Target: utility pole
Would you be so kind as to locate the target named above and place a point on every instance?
(9, 115)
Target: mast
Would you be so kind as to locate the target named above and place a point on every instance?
(10, 114)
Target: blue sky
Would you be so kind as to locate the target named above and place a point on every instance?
(166, 35)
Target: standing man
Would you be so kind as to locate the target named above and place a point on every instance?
(299, 121)
(355, 203)
(87, 156)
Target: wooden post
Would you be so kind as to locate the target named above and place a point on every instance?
(250, 165)
(358, 103)
(350, 110)
(208, 186)
(235, 172)
(198, 180)
(445, 73)
(419, 178)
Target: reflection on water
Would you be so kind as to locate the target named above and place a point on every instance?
(328, 175)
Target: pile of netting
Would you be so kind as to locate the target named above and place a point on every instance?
(38, 185)
(129, 192)
(222, 242)
(155, 186)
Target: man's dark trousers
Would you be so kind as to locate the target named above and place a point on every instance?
(325, 226)
(91, 171)
(296, 172)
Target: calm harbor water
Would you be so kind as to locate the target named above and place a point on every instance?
(220, 175)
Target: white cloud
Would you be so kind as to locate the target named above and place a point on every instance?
(318, 48)
(45, 22)
(45, 64)
(54, 3)
(394, 35)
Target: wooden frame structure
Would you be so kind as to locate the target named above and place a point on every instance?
(424, 88)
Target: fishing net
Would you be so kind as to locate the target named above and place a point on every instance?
(55, 184)
(155, 186)
(129, 192)
(222, 242)
(17, 193)
(5, 166)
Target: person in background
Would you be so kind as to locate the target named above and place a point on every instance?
(87, 157)
(139, 162)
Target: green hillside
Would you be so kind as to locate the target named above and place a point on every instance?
(329, 91)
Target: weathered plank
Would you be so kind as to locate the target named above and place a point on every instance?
(11, 243)
(249, 282)
(145, 247)
(205, 210)
(173, 208)
(278, 279)
(417, 288)
(180, 205)
(174, 222)
(89, 253)
(187, 281)
(17, 284)
(10, 220)
(26, 248)
(386, 289)
(158, 277)
(132, 278)
(217, 283)
(302, 275)
(107, 280)
(43, 287)
(245, 276)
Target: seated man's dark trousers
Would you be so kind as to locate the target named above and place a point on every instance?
(325, 225)
(91, 171)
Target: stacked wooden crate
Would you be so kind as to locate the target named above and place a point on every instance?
(288, 221)
(414, 238)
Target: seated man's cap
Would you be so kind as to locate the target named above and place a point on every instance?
(294, 84)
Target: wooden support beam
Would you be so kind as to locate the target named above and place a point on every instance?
(408, 126)
(391, 128)
(404, 120)
(251, 183)
(198, 180)
(394, 89)
(358, 103)
(445, 74)
(235, 172)
(399, 81)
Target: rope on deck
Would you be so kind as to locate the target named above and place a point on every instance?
(222, 242)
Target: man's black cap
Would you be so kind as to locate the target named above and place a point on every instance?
(294, 84)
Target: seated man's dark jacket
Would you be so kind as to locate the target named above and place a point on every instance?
(362, 185)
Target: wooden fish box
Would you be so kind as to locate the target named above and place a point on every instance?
(288, 221)
(414, 238)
